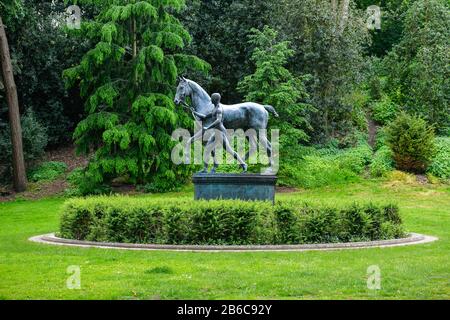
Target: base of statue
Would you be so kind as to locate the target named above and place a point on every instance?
(235, 186)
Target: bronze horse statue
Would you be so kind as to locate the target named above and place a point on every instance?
(245, 116)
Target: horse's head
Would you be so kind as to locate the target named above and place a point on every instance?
(183, 91)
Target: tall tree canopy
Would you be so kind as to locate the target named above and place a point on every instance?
(392, 20)
(41, 50)
(273, 84)
(329, 38)
(128, 79)
(418, 67)
(220, 31)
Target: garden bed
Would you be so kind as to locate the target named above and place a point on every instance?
(185, 222)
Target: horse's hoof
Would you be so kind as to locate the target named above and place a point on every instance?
(213, 171)
(244, 168)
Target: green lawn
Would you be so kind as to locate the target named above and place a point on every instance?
(34, 271)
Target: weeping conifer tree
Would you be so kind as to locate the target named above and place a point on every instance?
(128, 80)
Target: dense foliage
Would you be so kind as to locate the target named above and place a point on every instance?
(310, 167)
(412, 142)
(440, 165)
(272, 84)
(35, 138)
(392, 21)
(128, 80)
(47, 171)
(382, 162)
(330, 47)
(384, 110)
(418, 67)
(128, 220)
(220, 31)
(40, 51)
(335, 83)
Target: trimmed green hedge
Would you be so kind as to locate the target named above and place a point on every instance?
(140, 220)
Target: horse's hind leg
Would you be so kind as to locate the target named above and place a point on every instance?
(268, 146)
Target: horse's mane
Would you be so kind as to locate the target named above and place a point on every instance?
(199, 89)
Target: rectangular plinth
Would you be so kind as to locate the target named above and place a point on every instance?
(234, 186)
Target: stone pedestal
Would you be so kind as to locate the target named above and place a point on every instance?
(235, 186)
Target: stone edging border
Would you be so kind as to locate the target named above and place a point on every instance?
(413, 239)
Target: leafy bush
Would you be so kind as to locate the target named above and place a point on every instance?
(315, 171)
(412, 142)
(82, 183)
(166, 183)
(440, 165)
(34, 137)
(47, 171)
(349, 140)
(380, 139)
(322, 167)
(139, 220)
(382, 162)
(356, 159)
(384, 111)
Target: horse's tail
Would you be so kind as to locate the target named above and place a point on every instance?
(271, 109)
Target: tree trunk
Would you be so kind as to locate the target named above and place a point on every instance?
(19, 175)
(344, 15)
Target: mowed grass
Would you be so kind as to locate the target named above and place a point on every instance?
(35, 271)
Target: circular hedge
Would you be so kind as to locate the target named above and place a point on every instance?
(174, 221)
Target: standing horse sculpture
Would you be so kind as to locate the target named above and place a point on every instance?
(245, 116)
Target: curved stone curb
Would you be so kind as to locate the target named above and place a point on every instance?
(413, 239)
